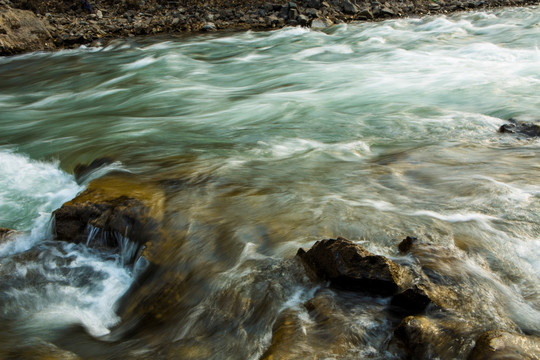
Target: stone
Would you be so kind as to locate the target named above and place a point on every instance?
(313, 4)
(321, 23)
(99, 14)
(349, 7)
(303, 20)
(365, 14)
(406, 244)
(292, 14)
(411, 301)
(521, 128)
(21, 31)
(118, 207)
(83, 171)
(426, 338)
(497, 344)
(209, 26)
(5, 232)
(349, 266)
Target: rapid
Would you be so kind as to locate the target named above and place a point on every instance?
(262, 143)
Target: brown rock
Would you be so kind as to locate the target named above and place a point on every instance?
(349, 266)
(498, 344)
(22, 31)
(118, 206)
(411, 301)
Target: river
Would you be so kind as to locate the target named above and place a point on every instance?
(371, 131)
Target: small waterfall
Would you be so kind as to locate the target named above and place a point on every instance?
(126, 250)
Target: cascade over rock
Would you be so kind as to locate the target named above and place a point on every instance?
(116, 206)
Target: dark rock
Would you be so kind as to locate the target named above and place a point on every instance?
(517, 127)
(4, 232)
(365, 14)
(118, 207)
(209, 27)
(82, 171)
(292, 14)
(303, 20)
(349, 266)
(407, 243)
(498, 344)
(349, 7)
(313, 4)
(387, 12)
(411, 301)
(311, 12)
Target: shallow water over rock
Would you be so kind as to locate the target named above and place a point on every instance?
(243, 148)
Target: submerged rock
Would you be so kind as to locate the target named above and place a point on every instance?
(83, 171)
(498, 344)
(112, 209)
(5, 233)
(349, 266)
(426, 338)
(521, 128)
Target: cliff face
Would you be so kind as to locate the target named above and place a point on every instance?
(29, 25)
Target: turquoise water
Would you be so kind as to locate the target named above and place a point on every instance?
(370, 131)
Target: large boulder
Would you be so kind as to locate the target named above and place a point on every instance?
(113, 210)
(349, 266)
(22, 31)
(498, 344)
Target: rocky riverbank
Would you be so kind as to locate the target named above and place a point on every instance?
(31, 25)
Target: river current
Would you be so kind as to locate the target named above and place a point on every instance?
(369, 131)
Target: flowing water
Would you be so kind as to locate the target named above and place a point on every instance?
(267, 142)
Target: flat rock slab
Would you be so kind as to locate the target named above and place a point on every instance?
(349, 266)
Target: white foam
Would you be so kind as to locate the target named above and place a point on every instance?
(138, 64)
(29, 192)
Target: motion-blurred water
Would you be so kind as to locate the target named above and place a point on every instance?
(370, 131)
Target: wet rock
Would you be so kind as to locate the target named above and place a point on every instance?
(118, 206)
(286, 333)
(426, 338)
(37, 349)
(303, 20)
(365, 14)
(349, 266)
(82, 171)
(22, 30)
(5, 232)
(411, 301)
(407, 243)
(521, 128)
(498, 344)
(209, 27)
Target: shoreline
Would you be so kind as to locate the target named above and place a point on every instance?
(29, 25)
